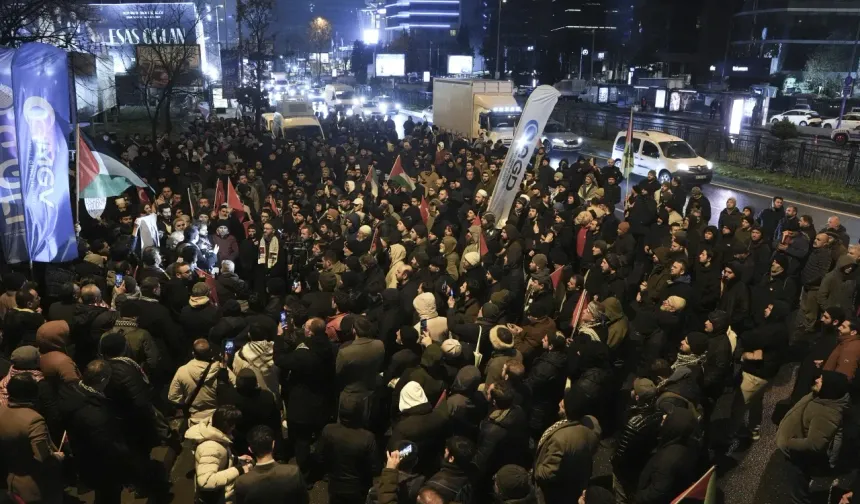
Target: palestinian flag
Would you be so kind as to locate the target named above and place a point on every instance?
(101, 175)
(556, 277)
(482, 241)
(399, 177)
(424, 208)
(705, 489)
(371, 179)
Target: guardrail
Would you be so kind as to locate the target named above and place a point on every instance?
(819, 159)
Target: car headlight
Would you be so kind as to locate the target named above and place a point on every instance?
(397, 106)
(349, 112)
(383, 108)
(361, 100)
(683, 166)
(557, 141)
(338, 101)
(579, 140)
(710, 165)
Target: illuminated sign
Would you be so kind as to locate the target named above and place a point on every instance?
(740, 69)
(660, 99)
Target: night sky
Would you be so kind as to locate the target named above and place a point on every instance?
(342, 14)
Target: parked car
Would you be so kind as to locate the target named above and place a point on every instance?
(380, 106)
(666, 154)
(427, 114)
(848, 121)
(844, 135)
(798, 117)
(559, 138)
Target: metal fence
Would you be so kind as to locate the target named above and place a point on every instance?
(818, 159)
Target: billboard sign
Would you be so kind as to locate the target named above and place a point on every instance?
(229, 72)
(459, 64)
(390, 65)
(120, 27)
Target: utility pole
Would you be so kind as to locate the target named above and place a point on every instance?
(848, 86)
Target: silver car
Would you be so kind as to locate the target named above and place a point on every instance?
(556, 137)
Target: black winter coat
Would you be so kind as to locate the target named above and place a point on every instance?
(198, 321)
(95, 435)
(503, 439)
(546, 380)
(130, 391)
(19, 329)
(308, 370)
(425, 427)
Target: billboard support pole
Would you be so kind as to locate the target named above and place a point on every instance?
(73, 113)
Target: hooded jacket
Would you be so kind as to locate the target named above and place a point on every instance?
(503, 439)
(771, 338)
(259, 357)
(616, 321)
(213, 460)
(837, 288)
(348, 452)
(845, 358)
(718, 364)
(425, 306)
(545, 380)
(464, 404)
(502, 353)
(52, 339)
(808, 429)
(670, 470)
(397, 255)
(452, 259)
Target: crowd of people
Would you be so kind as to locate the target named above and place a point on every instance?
(396, 342)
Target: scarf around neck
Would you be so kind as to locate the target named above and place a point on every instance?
(268, 254)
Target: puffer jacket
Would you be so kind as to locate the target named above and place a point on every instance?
(425, 305)
(546, 380)
(214, 466)
(259, 357)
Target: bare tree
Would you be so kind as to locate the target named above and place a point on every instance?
(167, 64)
(258, 17)
(63, 23)
(319, 38)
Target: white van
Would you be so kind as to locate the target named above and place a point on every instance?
(341, 98)
(665, 154)
(292, 127)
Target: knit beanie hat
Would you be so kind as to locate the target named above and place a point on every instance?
(490, 311)
(451, 348)
(644, 388)
(512, 483)
(365, 230)
(698, 342)
(25, 357)
(540, 261)
(412, 395)
(408, 335)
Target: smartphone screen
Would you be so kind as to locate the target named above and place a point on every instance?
(118, 281)
(283, 319)
(229, 346)
(406, 451)
(295, 285)
(450, 292)
(423, 325)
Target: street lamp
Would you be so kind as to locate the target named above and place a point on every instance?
(499, 37)
(582, 52)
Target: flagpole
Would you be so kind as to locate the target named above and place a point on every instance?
(77, 174)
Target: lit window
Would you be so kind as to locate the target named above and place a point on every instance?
(453, 33)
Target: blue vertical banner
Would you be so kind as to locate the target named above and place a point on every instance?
(13, 234)
(40, 84)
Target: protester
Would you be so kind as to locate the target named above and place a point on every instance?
(478, 346)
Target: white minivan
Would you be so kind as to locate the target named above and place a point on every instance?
(667, 155)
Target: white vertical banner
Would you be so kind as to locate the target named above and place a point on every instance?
(535, 115)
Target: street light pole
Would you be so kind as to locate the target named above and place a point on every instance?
(581, 52)
(591, 70)
(498, 39)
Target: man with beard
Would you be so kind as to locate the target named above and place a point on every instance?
(776, 286)
(707, 283)
(271, 259)
(735, 298)
(813, 272)
(768, 219)
(760, 252)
